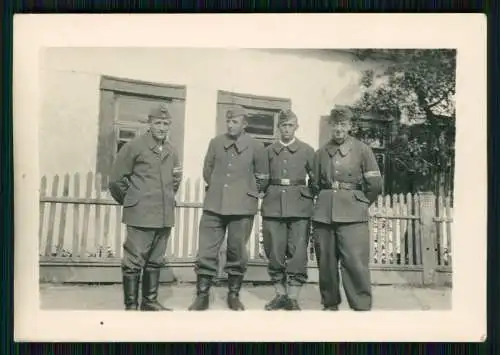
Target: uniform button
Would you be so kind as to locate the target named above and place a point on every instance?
(225, 185)
(229, 164)
(284, 161)
(228, 174)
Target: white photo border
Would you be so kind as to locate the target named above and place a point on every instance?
(465, 32)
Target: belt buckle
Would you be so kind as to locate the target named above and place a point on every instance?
(335, 185)
(285, 182)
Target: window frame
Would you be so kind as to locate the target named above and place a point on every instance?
(110, 88)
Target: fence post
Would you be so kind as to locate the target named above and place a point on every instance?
(427, 201)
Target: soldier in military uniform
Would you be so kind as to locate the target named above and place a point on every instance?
(286, 210)
(235, 170)
(349, 180)
(145, 178)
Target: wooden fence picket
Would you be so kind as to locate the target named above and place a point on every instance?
(416, 228)
(379, 224)
(76, 218)
(97, 212)
(410, 240)
(187, 221)
(448, 229)
(403, 230)
(52, 216)
(86, 215)
(62, 221)
(440, 238)
(396, 229)
(107, 213)
(43, 193)
(196, 217)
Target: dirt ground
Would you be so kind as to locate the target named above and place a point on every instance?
(179, 296)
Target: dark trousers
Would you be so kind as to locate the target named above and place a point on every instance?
(213, 229)
(144, 248)
(285, 244)
(349, 244)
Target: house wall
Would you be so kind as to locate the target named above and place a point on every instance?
(70, 80)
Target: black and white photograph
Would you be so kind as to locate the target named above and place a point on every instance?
(196, 180)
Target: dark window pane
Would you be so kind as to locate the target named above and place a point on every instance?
(127, 134)
(261, 124)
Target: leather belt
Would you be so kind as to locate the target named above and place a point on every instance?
(337, 185)
(287, 182)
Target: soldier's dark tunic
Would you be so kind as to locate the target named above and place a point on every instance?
(286, 209)
(349, 180)
(145, 179)
(231, 171)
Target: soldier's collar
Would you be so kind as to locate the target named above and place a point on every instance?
(292, 147)
(343, 148)
(153, 145)
(241, 143)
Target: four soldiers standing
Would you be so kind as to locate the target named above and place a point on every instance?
(342, 175)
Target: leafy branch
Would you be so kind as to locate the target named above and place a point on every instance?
(418, 87)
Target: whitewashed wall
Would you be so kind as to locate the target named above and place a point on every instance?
(70, 93)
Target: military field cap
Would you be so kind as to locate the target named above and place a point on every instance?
(340, 114)
(160, 111)
(236, 111)
(286, 115)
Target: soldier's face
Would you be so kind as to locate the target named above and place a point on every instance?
(159, 128)
(340, 130)
(287, 130)
(236, 126)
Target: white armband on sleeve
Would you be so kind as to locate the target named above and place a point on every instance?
(374, 173)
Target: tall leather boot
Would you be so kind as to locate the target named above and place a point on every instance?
(202, 301)
(233, 297)
(150, 284)
(131, 291)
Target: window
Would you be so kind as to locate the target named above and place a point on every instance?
(124, 109)
(262, 113)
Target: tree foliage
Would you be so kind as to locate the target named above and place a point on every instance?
(417, 86)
